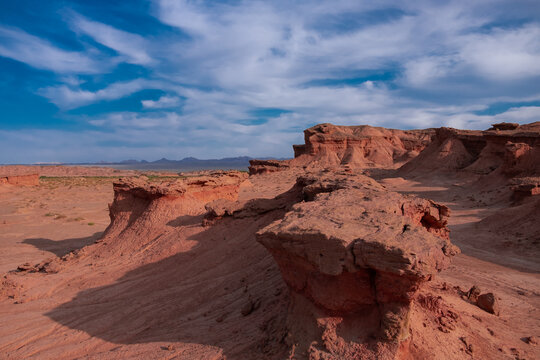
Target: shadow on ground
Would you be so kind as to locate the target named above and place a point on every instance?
(196, 297)
(62, 247)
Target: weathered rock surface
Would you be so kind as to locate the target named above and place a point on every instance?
(489, 303)
(525, 187)
(507, 150)
(267, 166)
(504, 126)
(353, 256)
(359, 146)
(142, 211)
(364, 146)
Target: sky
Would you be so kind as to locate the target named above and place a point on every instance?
(85, 81)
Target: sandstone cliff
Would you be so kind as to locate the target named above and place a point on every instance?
(364, 146)
(507, 151)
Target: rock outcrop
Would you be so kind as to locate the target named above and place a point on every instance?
(506, 150)
(267, 166)
(331, 146)
(20, 180)
(141, 209)
(353, 256)
(525, 187)
(359, 146)
(504, 126)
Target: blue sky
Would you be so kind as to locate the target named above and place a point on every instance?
(145, 79)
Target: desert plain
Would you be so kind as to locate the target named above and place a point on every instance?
(371, 243)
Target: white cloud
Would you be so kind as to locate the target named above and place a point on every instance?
(162, 103)
(504, 54)
(133, 47)
(67, 97)
(423, 71)
(36, 52)
(135, 120)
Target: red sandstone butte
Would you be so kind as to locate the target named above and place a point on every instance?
(328, 145)
(141, 209)
(353, 256)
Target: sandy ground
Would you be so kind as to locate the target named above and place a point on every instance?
(184, 302)
(52, 219)
(513, 275)
(130, 309)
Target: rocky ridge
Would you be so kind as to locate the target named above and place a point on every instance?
(328, 145)
(501, 150)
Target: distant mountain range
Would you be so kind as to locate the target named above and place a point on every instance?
(186, 164)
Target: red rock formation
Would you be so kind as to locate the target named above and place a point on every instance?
(514, 152)
(328, 145)
(353, 256)
(525, 187)
(141, 209)
(504, 126)
(20, 180)
(266, 166)
(359, 146)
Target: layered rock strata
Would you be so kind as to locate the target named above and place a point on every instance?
(138, 200)
(353, 256)
(331, 146)
(359, 146)
(505, 149)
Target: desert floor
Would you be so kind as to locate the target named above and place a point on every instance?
(64, 214)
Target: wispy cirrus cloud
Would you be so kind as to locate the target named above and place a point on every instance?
(133, 47)
(70, 97)
(41, 54)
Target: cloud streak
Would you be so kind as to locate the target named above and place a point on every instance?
(133, 47)
(41, 54)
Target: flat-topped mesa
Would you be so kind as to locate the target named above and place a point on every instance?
(20, 180)
(504, 149)
(143, 207)
(353, 256)
(19, 175)
(330, 146)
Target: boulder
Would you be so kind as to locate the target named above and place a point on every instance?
(504, 126)
(354, 253)
(489, 303)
